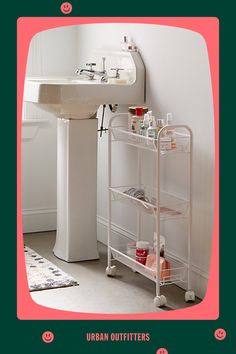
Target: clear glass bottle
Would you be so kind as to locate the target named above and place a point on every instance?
(170, 132)
(144, 125)
(152, 132)
(160, 124)
(124, 44)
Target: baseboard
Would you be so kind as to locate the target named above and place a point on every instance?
(199, 276)
(36, 220)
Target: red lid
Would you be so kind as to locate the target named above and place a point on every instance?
(139, 111)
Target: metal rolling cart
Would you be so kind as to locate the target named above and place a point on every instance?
(162, 206)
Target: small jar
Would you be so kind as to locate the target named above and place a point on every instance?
(132, 112)
(142, 249)
(131, 249)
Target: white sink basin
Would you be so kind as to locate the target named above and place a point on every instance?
(64, 97)
(79, 98)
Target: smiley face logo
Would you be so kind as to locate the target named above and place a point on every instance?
(162, 351)
(66, 8)
(220, 334)
(47, 337)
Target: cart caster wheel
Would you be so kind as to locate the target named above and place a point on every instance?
(160, 301)
(110, 271)
(134, 270)
(190, 296)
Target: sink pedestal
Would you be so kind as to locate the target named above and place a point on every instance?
(76, 238)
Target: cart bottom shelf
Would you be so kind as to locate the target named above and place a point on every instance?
(177, 269)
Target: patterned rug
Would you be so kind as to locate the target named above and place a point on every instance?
(43, 274)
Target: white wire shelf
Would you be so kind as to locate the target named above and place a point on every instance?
(152, 201)
(171, 207)
(122, 134)
(177, 270)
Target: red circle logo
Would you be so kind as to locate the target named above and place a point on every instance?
(66, 8)
(47, 337)
(220, 334)
(162, 351)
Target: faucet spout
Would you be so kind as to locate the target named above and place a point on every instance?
(86, 72)
(90, 73)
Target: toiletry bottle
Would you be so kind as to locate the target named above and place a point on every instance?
(131, 47)
(144, 125)
(165, 139)
(152, 130)
(162, 244)
(154, 125)
(171, 132)
(132, 112)
(124, 44)
(142, 250)
(150, 116)
(169, 119)
(136, 120)
(160, 124)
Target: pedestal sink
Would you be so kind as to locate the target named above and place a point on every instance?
(74, 101)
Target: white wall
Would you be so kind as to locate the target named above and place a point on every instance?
(51, 53)
(178, 81)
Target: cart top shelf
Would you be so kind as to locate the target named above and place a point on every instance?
(121, 134)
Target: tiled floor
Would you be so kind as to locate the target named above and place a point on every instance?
(128, 292)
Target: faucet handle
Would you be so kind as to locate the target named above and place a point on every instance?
(117, 72)
(91, 65)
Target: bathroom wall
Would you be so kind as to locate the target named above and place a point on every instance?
(178, 81)
(51, 53)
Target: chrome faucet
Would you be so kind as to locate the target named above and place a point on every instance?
(88, 72)
(91, 72)
(117, 73)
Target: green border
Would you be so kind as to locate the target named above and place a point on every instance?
(177, 336)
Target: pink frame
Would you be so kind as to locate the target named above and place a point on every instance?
(208, 27)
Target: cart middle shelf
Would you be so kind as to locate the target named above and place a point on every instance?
(171, 206)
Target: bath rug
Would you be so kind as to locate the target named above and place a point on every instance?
(43, 274)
